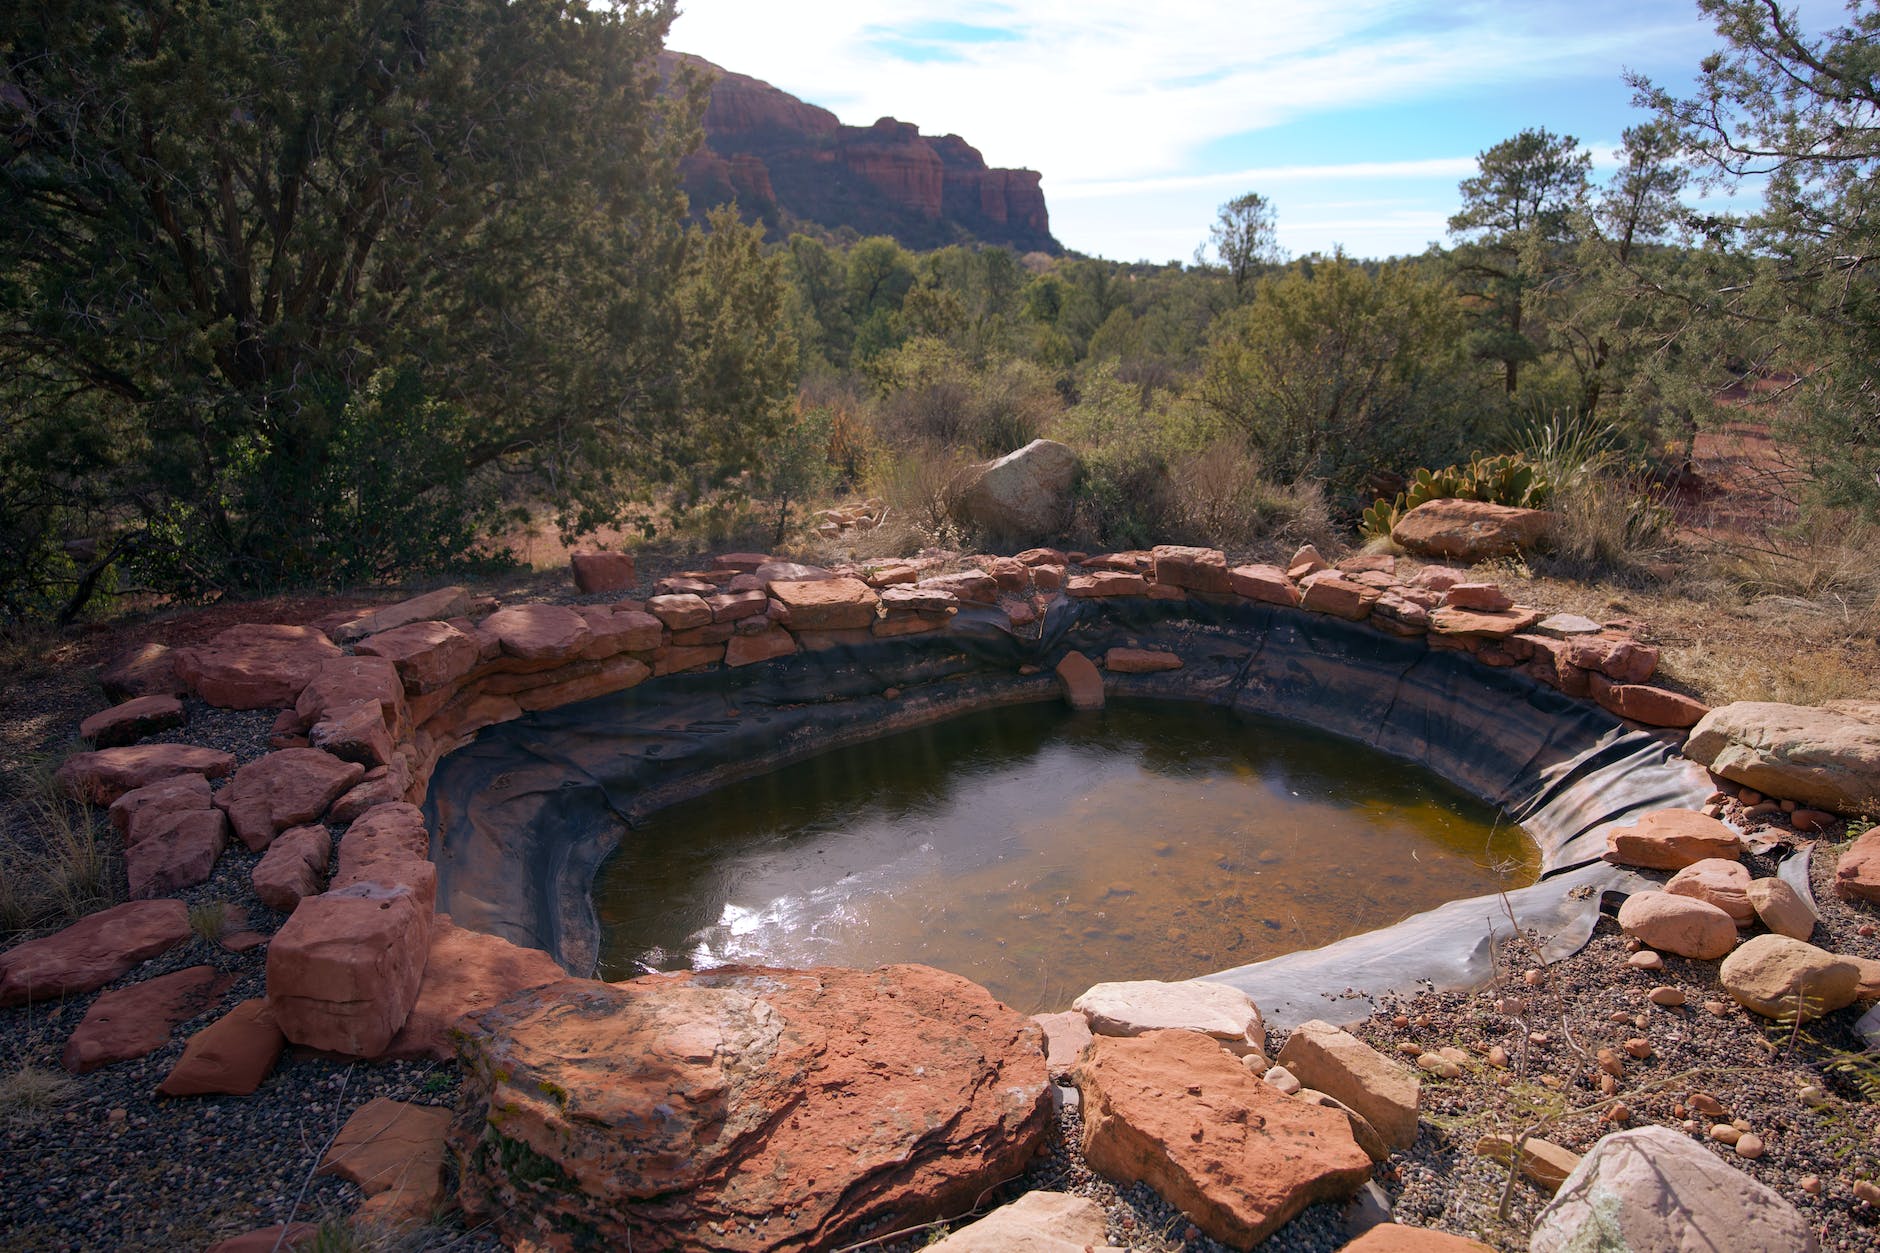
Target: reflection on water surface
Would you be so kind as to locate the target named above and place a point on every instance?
(1038, 851)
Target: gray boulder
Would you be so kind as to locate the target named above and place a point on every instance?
(1023, 497)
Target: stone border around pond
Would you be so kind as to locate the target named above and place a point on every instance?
(362, 730)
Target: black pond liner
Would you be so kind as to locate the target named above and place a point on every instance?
(524, 815)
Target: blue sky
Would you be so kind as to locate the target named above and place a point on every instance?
(1356, 118)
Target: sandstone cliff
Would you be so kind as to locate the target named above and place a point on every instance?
(782, 159)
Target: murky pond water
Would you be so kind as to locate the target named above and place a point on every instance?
(1038, 851)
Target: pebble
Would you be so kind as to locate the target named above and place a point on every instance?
(1511, 1006)
(1813, 1095)
(1498, 1057)
(1867, 1191)
(1537, 1037)
(1640, 1049)
(1705, 1103)
(1867, 929)
(1410, 1048)
(1618, 1113)
(1610, 1063)
(1749, 1145)
(1618, 1017)
(1438, 1065)
(1645, 959)
(1725, 1133)
(1400, 1022)
(1750, 796)
(1283, 1079)
(1668, 997)
(1811, 1184)
(1608, 1085)
(1534, 978)
(1717, 1007)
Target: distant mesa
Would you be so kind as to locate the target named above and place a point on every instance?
(787, 162)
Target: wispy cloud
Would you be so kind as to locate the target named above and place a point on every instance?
(1265, 176)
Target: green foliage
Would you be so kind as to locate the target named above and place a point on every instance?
(1244, 239)
(1501, 480)
(299, 312)
(1333, 372)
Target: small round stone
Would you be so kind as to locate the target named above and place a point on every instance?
(1749, 1145)
(1645, 959)
(1724, 1133)
(1639, 1048)
(1668, 997)
(1534, 978)
(1811, 1184)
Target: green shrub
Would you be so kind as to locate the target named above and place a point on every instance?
(1503, 480)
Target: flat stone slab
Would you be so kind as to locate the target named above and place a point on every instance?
(1038, 1222)
(466, 972)
(1132, 1007)
(1383, 1092)
(101, 777)
(133, 720)
(284, 789)
(394, 1150)
(131, 1022)
(1671, 839)
(445, 602)
(229, 1057)
(91, 952)
(255, 665)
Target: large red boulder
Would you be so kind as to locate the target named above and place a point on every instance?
(99, 778)
(255, 665)
(1857, 876)
(538, 632)
(1174, 1110)
(133, 1021)
(132, 721)
(343, 971)
(445, 602)
(394, 1150)
(428, 655)
(284, 789)
(176, 853)
(137, 813)
(827, 604)
(1470, 530)
(345, 683)
(1671, 839)
(91, 952)
(601, 571)
(744, 1108)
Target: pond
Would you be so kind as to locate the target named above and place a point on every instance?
(1038, 851)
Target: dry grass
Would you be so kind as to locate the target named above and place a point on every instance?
(32, 1092)
(56, 862)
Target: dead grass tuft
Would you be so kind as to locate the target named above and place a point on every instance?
(56, 862)
(32, 1092)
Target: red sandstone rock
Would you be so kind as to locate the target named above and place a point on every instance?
(970, 586)
(292, 867)
(137, 813)
(710, 633)
(428, 655)
(1653, 706)
(1239, 1158)
(744, 650)
(601, 571)
(1487, 596)
(229, 1057)
(1483, 623)
(132, 721)
(1267, 584)
(177, 852)
(1619, 658)
(394, 1150)
(680, 612)
(1047, 578)
(343, 971)
(254, 665)
(537, 632)
(101, 777)
(1191, 569)
(1139, 661)
(466, 972)
(1307, 561)
(920, 599)
(743, 563)
(131, 1022)
(1671, 839)
(892, 576)
(1724, 882)
(731, 606)
(147, 670)
(1678, 924)
(282, 790)
(356, 734)
(677, 660)
(1133, 562)
(1331, 593)
(1008, 573)
(281, 1236)
(345, 683)
(616, 674)
(895, 625)
(1398, 1238)
(1470, 530)
(445, 602)
(790, 572)
(1082, 684)
(91, 952)
(1041, 557)
(828, 604)
(1368, 563)
(622, 631)
(676, 1109)
(1857, 877)
(1106, 583)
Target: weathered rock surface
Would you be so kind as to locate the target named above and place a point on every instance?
(1724, 882)
(1132, 1007)
(601, 571)
(229, 1057)
(147, 670)
(132, 721)
(130, 1022)
(1678, 924)
(1066, 1036)
(1470, 530)
(1781, 908)
(1671, 839)
(91, 952)
(1651, 1189)
(840, 604)
(1339, 1064)
(1191, 569)
(284, 789)
(1827, 757)
(100, 777)
(1080, 680)
(1024, 496)
(343, 972)
(743, 1108)
(1390, 1237)
(1778, 977)
(445, 602)
(1038, 1222)
(177, 852)
(428, 655)
(465, 972)
(1139, 661)
(1542, 1161)
(137, 813)
(1857, 876)
(255, 665)
(394, 1150)
(293, 867)
(1264, 583)
(1173, 1110)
